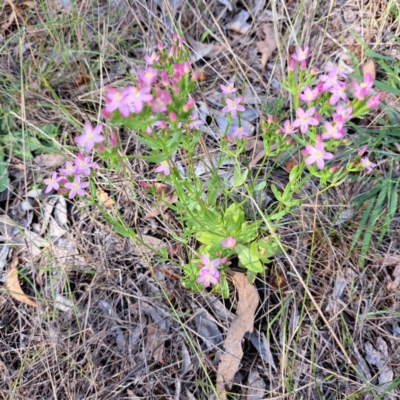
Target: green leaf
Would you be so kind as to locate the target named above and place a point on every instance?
(276, 192)
(208, 238)
(155, 159)
(249, 258)
(293, 173)
(238, 177)
(3, 173)
(260, 186)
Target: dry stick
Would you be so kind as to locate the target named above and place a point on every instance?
(348, 359)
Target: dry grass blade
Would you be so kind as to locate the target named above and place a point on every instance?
(12, 284)
(246, 308)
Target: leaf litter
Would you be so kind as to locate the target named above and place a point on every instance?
(244, 322)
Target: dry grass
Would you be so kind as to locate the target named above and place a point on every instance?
(129, 329)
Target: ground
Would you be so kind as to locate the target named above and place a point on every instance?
(88, 313)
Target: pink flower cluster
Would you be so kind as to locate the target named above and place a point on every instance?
(330, 126)
(72, 174)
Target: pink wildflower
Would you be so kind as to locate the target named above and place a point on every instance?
(83, 165)
(308, 95)
(239, 132)
(178, 72)
(333, 131)
(186, 67)
(189, 105)
(318, 154)
(114, 101)
(76, 187)
(210, 263)
(337, 70)
(338, 92)
(288, 128)
(229, 243)
(301, 56)
(229, 89)
(150, 60)
(91, 136)
(208, 276)
(68, 170)
(329, 80)
(367, 164)
(196, 123)
(159, 104)
(52, 183)
(233, 106)
(163, 168)
(364, 88)
(135, 98)
(342, 114)
(304, 119)
(147, 77)
(292, 64)
(374, 101)
(113, 140)
(164, 79)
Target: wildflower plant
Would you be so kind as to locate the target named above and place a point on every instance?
(158, 106)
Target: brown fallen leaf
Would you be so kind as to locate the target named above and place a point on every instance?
(153, 343)
(51, 161)
(151, 242)
(369, 68)
(396, 275)
(162, 192)
(267, 46)
(13, 286)
(105, 198)
(201, 50)
(244, 322)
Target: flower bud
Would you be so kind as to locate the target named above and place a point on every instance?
(314, 70)
(180, 44)
(100, 148)
(160, 46)
(171, 51)
(164, 78)
(195, 76)
(292, 64)
(172, 116)
(174, 37)
(334, 168)
(186, 67)
(303, 65)
(362, 151)
(270, 119)
(189, 105)
(113, 140)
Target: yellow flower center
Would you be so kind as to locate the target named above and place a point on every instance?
(89, 134)
(118, 96)
(148, 75)
(302, 54)
(75, 185)
(318, 154)
(209, 265)
(165, 163)
(208, 278)
(363, 85)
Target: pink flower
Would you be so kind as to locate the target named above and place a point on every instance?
(228, 89)
(150, 60)
(76, 187)
(368, 165)
(329, 80)
(318, 154)
(288, 128)
(210, 263)
(159, 103)
(333, 131)
(164, 79)
(304, 118)
(83, 165)
(301, 55)
(239, 132)
(91, 136)
(308, 95)
(135, 98)
(229, 243)
(337, 70)
(196, 122)
(342, 114)
(374, 101)
(186, 67)
(163, 168)
(233, 106)
(338, 92)
(68, 170)
(364, 88)
(208, 276)
(52, 183)
(292, 64)
(178, 72)
(114, 101)
(113, 140)
(147, 77)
